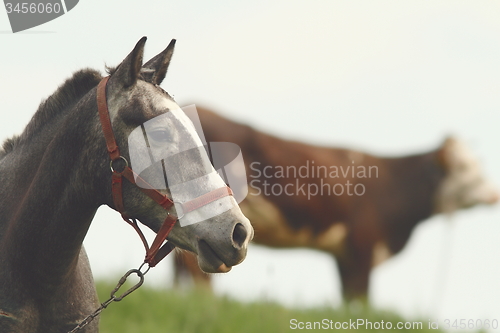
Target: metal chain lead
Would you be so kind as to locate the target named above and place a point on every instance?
(113, 297)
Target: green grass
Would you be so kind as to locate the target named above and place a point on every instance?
(198, 311)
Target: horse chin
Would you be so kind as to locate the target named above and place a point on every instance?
(209, 261)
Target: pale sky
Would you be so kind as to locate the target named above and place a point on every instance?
(387, 77)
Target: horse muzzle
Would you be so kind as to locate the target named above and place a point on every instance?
(219, 251)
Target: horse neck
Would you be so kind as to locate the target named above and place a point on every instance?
(50, 200)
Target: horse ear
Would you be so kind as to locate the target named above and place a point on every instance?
(154, 70)
(129, 70)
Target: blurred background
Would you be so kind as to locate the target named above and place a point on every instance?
(387, 77)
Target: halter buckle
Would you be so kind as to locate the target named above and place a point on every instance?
(116, 159)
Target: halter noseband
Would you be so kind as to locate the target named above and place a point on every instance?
(156, 252)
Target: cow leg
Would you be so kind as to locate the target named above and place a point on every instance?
(355, 273)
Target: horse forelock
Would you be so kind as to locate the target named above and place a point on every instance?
(144, 75)
(66, 95)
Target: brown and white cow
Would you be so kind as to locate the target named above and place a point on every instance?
(358, 207)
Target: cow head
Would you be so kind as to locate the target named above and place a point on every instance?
(463, 185)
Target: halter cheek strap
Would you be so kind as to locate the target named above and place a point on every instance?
(160, 247)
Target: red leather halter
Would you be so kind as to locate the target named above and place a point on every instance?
(156, 252)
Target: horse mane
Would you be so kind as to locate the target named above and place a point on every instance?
(66, 95)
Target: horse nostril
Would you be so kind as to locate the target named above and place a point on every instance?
(239, 235)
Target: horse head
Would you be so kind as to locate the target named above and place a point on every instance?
(165, 149)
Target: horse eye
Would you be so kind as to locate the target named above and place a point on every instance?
(160, 136)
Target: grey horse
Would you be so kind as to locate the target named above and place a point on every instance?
(55, 175)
